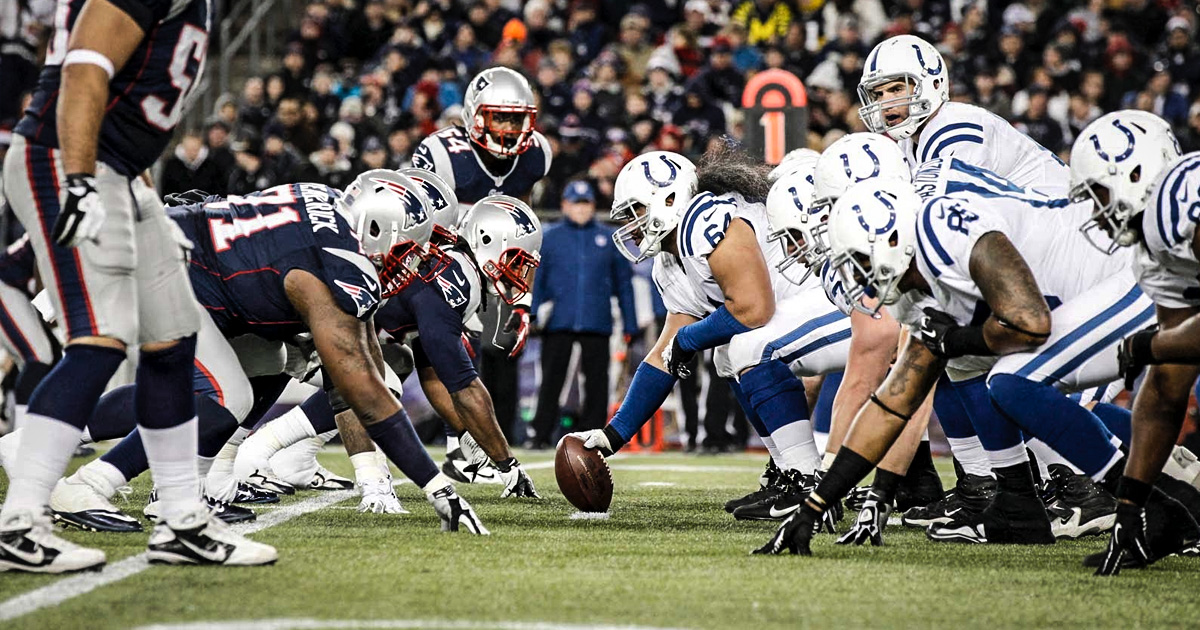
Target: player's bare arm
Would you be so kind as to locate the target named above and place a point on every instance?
(102, 34)
(1020, 319)
(738, 266)
(873, 346)
(673, 323)
(344, 344)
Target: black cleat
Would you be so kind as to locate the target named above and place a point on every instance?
(247, 493)
(1011, 519)
(966, 500)
(766, 488)
(453, 464)
(793, 488)
(1078, 507)
(227, 512)
(919, 487)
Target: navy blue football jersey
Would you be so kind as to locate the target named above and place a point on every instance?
(449, 154)
(147, 97)
(244, 247)
(460, 286)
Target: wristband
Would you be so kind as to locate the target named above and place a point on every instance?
(966, 341)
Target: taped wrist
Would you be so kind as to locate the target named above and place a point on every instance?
(507, 464)
(712, 331)
(615, 439)
(966, 341)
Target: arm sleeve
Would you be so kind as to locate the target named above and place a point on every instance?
(623, 285)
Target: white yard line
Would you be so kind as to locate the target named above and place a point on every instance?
(80, 584)
(388, 624)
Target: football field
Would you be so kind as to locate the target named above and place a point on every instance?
(669, 557)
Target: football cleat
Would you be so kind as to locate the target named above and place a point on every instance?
(1182, 465)
(768, 488)
(1010, 519)
(247, 493)
(1170, 529)
(379, 497)
(265, 478)
(297, 466)
(967, 499)
(28, 544)
(81, 500)
(857, 498)
(454, 511)
(202, 538)
(1079, 507)
(227, 512)
(794, 488)
(453, 464)
(324, 479)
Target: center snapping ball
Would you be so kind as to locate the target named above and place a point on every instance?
(583, 475)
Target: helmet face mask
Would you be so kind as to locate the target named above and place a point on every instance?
(650, 196)
(904, 76)
(873, 240)
(505, 238)
(1115, 163)
(391, 218)
(499, 112)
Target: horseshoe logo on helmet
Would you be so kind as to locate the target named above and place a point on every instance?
(850, 173)
(1124, 155)
(670, 178)
(796, 200)
(921, 59)
(891, 215)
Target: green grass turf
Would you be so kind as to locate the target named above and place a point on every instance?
(669, 556)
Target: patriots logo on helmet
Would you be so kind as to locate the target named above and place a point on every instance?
(481, 83)
(525, 225)
(397, 188)
(364, 299)
(431, 191)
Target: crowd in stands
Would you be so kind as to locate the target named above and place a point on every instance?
(361, 82)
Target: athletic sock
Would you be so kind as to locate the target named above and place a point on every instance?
(397, 438)
(885, 485)
(166, 413)
(367, 468)
(451, 437)
(848, 469)
(1045, 413)
(778, 398)
(953, 402)
(970, 455)
(220, 473)
(57, 412)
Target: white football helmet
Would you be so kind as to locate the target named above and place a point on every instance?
(393, 223)
(920, 66)
(794, 161)
(853, 158)
(499, 112)
(649, 198)
(442, 202)
(505, 237)
(872, 238)
(1115, 162)
(789, 212)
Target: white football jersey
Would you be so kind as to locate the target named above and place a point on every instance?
(952, 176)
(1167, 269)
(1064, 264)
(686, 282)
(981, 138)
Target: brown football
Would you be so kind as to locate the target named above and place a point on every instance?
(583, 476)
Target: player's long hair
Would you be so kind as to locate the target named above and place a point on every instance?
(726, 168)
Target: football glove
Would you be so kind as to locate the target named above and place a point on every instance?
(1134, 354)
(1128, 544)
(935, 327)
(82, 214)
(597, 439)
(518, 324)
(454, 511)
(869, 525)
(516, 481)
(188, 198)
(378, 497)
(794, 534)
(676, 360)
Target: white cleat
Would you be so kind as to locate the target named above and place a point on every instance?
(297, 465)
(28, 544)
(379, 497)
(201, 538)
(1184, 466)
(265, 478)
(81, 500)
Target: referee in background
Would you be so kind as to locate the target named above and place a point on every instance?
(580, 271)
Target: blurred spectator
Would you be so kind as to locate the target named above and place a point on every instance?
(720, 79)
(989, 96)
(578, 253)
(1081, 114)
(1165, 102)
(1180, 54)
(466, 54)
(869, 15)
(251, 174)
(371, 29)
(1037, 123)
(1122, 76)
(216, 138)
(1189, 138)
(765, 20)
(586, 34)
(374, 155)
(327, 166)
(293, 127)
(253, 110)
(190, 167)
(633, 48)
(699, 116)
